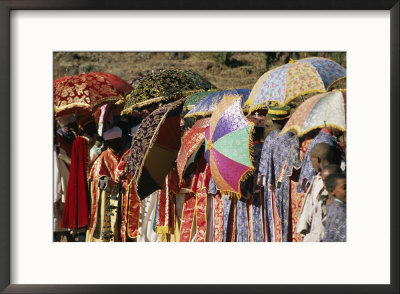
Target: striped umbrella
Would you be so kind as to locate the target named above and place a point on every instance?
(228, 143)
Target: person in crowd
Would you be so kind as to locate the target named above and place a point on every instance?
(335, 226)
(76, 209)
(249, 215)
(310, 223)
(326, 135)
(104, 187)
(97, 148)
(268, 173)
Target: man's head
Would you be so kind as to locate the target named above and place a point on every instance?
(279, 116)
(328, 170)
(324, 154)
(336, 185)
(113, 139)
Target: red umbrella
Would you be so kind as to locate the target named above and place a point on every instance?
(191, 144)
(85, 92)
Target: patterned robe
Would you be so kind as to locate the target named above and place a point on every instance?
(279, 156)
(335, 226)
(266, 170)
(194, 212)
(249, 216)
(287, 151)
(104, 166)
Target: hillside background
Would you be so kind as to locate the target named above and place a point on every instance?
(224, 69)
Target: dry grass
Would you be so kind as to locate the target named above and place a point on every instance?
(224, 70)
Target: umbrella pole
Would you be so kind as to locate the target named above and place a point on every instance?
(263, 213)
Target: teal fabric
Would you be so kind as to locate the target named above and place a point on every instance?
(235, 146)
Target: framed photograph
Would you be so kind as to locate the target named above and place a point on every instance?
(43, 39)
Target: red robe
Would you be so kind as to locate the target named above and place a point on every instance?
(75, 214)
(105, 165)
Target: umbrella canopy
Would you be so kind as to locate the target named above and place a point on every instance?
(322, 110)
(164, 86)
(228, 146)
(195, 98)
(281, 85)
(155, 146)
(190, 145)
(209, 103)
(87, 91)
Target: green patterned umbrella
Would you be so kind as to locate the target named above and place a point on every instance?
(164, 86)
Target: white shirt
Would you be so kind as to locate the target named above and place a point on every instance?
(310, 220)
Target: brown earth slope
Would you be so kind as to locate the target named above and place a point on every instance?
(224, 69)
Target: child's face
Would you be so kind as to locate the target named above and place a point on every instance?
(340, 189)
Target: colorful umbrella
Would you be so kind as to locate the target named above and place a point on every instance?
(281, 85)
(208, 104)
(155, 146)
(164, 86)
(190, 144)
(228, 143)
(195, 98)
(322, 110)
(87, 91)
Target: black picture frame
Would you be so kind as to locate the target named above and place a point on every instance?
(7, 6)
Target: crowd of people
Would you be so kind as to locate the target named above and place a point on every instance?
(297, 192)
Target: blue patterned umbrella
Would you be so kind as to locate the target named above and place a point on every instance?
(209, 104)
(281, 85)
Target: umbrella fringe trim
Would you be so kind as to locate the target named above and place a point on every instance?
(151, 144)
(334, 82)
(250, 171)
(120, 101)
(280, 104)
(231, 194)
(58, 109)
(200, 91)
(300, 134)
(156, 100)
(205, 113)
(152, 141)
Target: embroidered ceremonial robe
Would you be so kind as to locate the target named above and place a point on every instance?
(101, 223)
(165, 216)
(194, 214)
